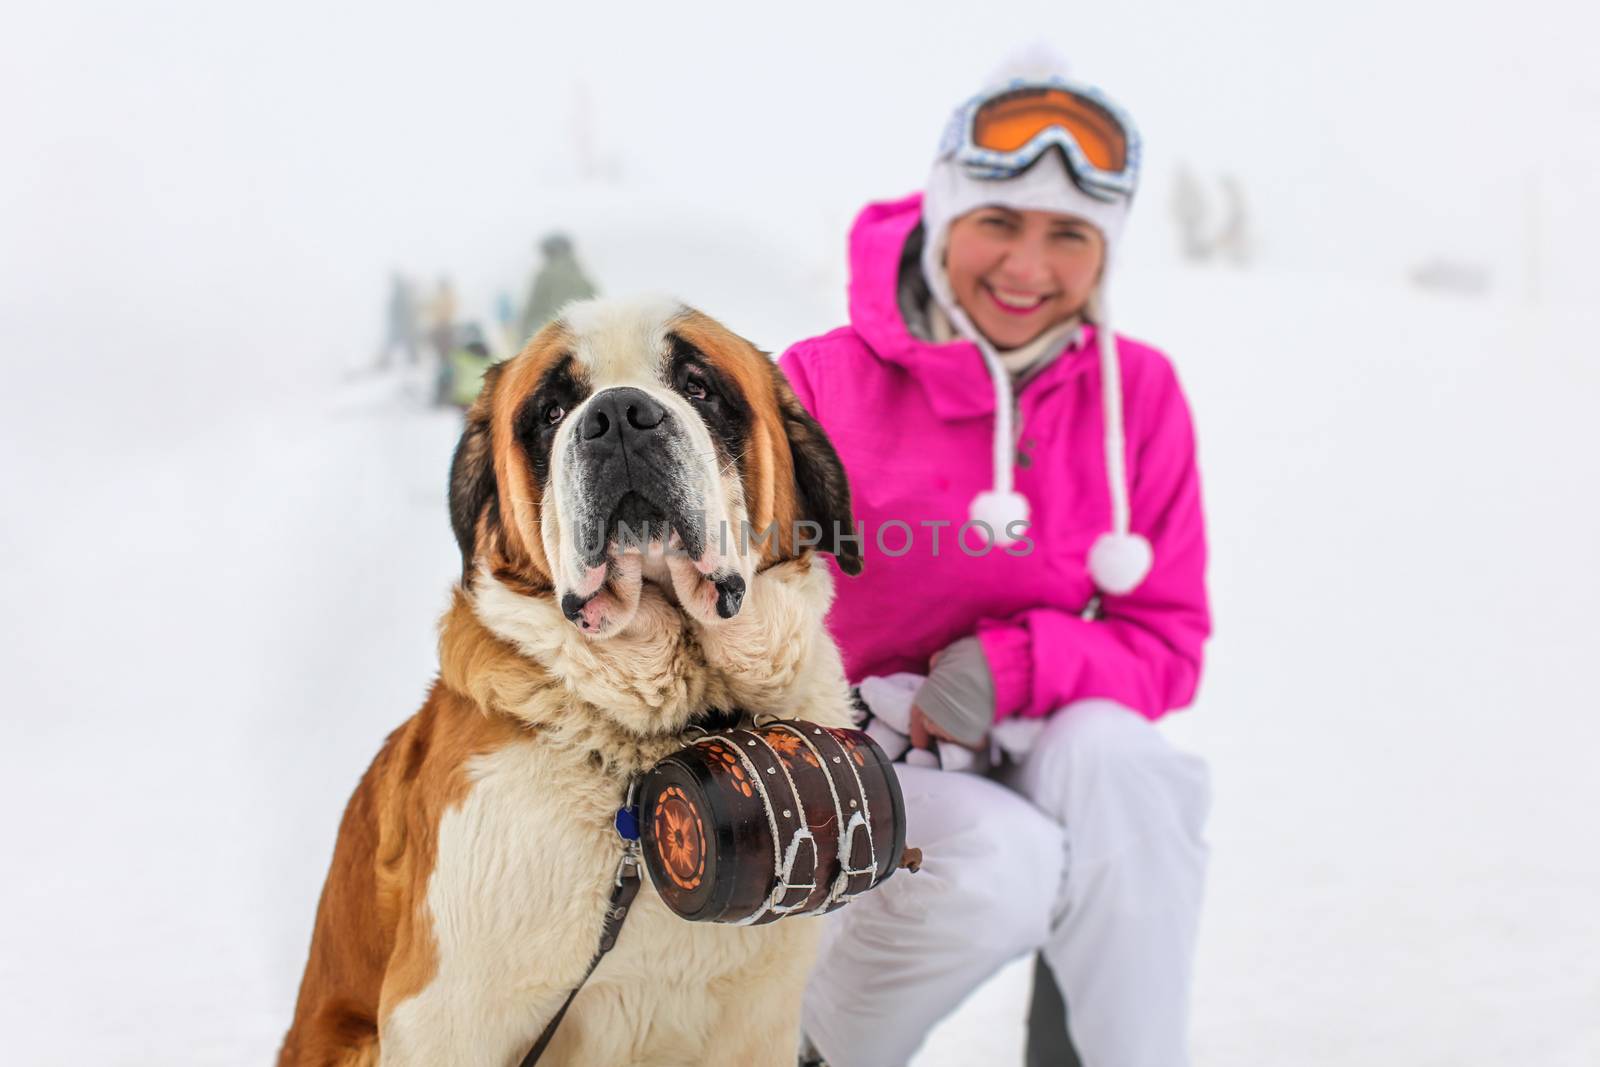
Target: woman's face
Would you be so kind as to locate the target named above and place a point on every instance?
(1018, 273)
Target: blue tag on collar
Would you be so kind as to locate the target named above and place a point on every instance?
(627, 822)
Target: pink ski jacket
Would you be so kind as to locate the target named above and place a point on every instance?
(913, 423)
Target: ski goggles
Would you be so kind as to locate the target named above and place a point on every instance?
(1001, 133)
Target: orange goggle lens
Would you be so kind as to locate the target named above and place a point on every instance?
(1009, 122)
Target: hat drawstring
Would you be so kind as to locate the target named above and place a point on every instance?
(1001, 509)
(1119, 558)
(1111, 406)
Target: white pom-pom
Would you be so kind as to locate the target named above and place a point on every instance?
(1119, 562)
(999, 512)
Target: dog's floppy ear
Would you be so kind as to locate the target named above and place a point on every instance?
(472, 484)
(819, 476)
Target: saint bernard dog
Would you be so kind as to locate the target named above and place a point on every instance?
(638, 498)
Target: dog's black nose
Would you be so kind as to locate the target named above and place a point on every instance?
(621, 412)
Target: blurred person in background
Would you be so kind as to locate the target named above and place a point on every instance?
(442, 319)
(980, 393)
(400, 330)
(560, 280)
(463, 376)
(506, 341)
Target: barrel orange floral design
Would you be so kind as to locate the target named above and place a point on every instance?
(849, 745)
(680, 838)
(726, 761)
(790, 746)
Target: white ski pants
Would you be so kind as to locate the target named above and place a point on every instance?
(1090, 851)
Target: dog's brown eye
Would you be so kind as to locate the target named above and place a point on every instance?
(554, 414)
(694, 390)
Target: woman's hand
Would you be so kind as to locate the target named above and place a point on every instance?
(924, 731)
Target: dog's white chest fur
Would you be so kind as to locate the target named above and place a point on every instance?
(526, 862)
(517, 900)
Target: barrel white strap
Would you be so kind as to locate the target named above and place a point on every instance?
(866, 805)
(836, 892)
(866, 813)
(766, 805)
(822, 762)
(793, 851)
(783, 885)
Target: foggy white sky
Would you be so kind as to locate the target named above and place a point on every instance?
(207, 196)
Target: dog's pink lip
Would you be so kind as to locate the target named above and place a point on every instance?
(1044, 300)
(593, 579)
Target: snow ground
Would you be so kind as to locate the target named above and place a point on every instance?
(207, 636)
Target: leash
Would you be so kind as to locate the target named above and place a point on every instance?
(625, 886)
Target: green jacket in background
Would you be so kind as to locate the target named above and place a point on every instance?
(466, 375)
(558, 282)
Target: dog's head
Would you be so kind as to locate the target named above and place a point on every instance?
(642, 441)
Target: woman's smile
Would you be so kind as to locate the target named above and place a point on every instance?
(1017, 302)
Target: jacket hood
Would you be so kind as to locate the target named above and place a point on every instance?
(952, 375)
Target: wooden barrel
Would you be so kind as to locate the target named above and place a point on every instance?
(785, 818)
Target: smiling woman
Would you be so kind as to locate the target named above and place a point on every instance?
(978, 319)
(1019, 273)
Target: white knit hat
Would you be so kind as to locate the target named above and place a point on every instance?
(1119, 558)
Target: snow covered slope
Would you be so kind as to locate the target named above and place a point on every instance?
(206, 641)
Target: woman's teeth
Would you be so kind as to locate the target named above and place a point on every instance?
(1016, 301)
